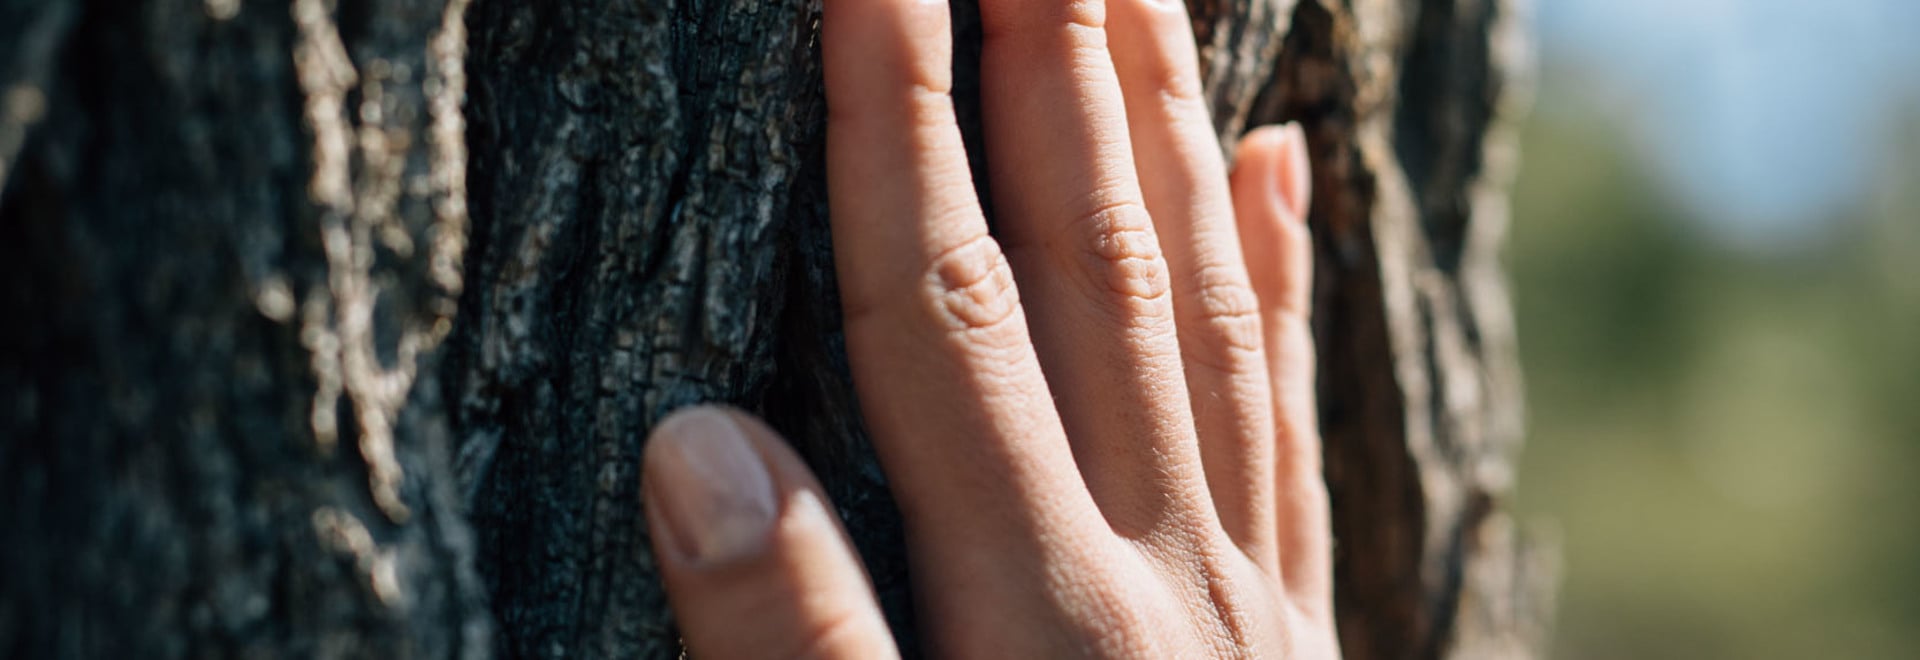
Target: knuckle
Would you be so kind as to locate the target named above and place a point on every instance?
(1175, 79)
(1179, 86)
(1027, 19)
(1223, 323)
(930, 102)
(971, 288)
(1122, 254)
(1168, 65)
(1122, 616)
(921, 99)
(842, 632)
(1083, 13)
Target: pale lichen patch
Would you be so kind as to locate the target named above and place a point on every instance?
(361, 178)
(223, 10)
(25, 104)
(343, 533)
(274, 299)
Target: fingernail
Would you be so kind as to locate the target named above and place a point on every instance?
(714, 490)
(1296, 177)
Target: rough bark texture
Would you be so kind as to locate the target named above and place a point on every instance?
(232, 240)
(269, 390)
(1410, 106)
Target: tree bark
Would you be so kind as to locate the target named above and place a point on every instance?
(308, 357)
(233, 234)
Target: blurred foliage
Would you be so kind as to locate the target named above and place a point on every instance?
(1723, 434)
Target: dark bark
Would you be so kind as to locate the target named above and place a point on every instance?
(229, 254)
(241, 414)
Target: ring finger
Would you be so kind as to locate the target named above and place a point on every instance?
(1184, 178)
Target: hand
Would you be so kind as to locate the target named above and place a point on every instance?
(1120, 459)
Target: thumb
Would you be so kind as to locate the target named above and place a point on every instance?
(755, 564)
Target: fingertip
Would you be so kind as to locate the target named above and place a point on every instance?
(743, 532)
(1273, 171)
(1271, 183)
(877, 50)
(713, 494)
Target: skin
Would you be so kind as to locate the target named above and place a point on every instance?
(1099, 424)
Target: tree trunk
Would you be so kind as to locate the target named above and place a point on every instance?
(308, 358)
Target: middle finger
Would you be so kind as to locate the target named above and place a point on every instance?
(1086, 257)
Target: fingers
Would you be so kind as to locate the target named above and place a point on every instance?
(1185, 181)
(1271, 190)
(948, 379)
(743, 534)
(1087, 258)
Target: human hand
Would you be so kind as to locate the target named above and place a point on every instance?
(1121, 458)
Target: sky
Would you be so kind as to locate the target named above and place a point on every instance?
(1764, 116)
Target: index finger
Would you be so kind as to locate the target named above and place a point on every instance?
(947, 376)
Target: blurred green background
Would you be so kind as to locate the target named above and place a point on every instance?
(1716, 256)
